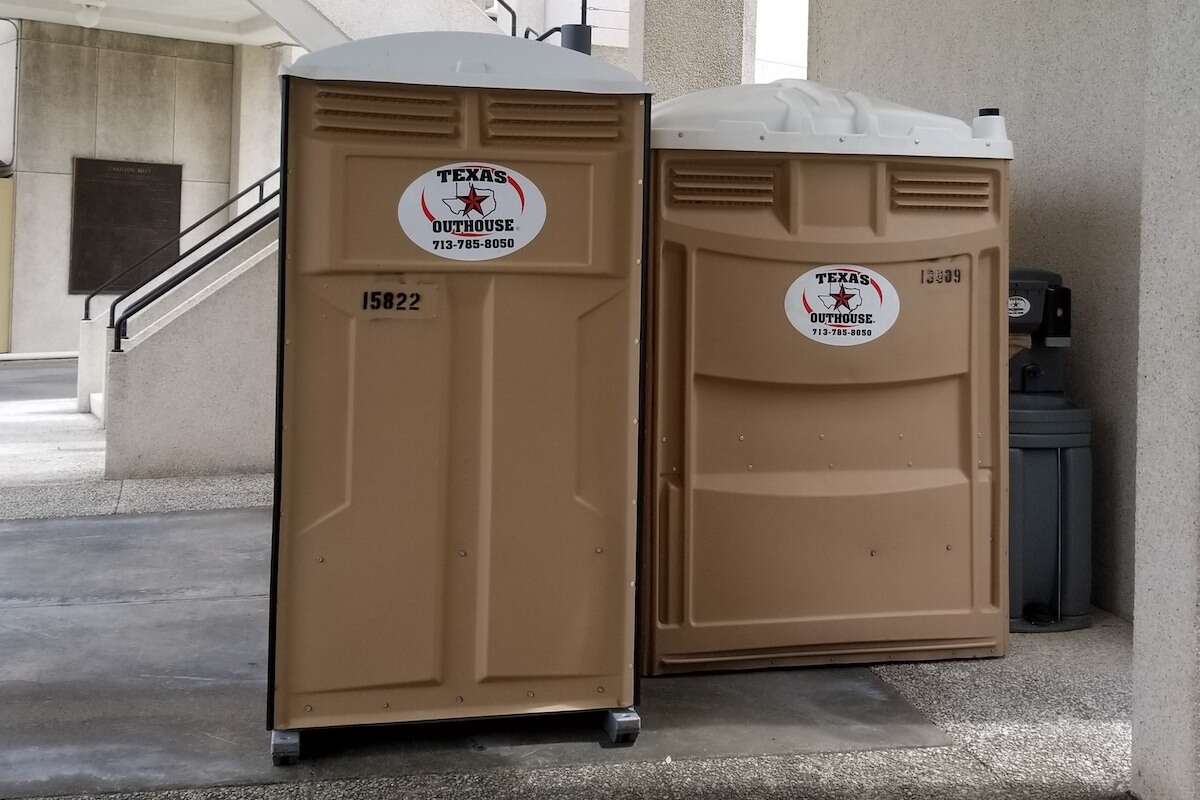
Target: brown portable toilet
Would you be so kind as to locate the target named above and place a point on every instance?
(827, 465)
(460, 301)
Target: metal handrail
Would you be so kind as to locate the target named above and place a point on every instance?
(121, 327)
(254, 209)
(259, 185)
(511, 14)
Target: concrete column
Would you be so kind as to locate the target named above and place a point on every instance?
(1166, 659)
(694, 44)
(256, 115)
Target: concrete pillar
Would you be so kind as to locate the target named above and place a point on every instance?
(1069, 77)
(694, 44)
(1166, 659)
(256, 115)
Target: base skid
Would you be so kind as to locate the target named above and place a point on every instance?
(622, 725)
(285, 748)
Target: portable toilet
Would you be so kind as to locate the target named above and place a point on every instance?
(459, 312)
(827, 460)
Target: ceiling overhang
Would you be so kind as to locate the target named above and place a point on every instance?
(253, 29)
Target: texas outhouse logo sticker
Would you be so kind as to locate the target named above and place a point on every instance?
(1018, 306)
(472, 211)
(842, 304)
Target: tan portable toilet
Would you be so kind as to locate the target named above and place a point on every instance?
(458, 388)
(827, 466)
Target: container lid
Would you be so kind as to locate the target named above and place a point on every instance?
(472, 60)
(795, 116)
(1046, 414)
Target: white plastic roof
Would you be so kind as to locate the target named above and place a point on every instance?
(482, 60)
(795, 116)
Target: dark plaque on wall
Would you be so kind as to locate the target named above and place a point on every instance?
(121, 211)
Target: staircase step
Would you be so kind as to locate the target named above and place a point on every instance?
(97, 401)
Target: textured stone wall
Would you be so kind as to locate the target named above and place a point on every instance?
(688, 45)
(102, 94)
(1069, 77)
(1166, 638)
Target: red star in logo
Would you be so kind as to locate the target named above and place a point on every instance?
(473, 201)
(842, 298)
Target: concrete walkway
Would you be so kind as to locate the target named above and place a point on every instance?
(52, 457)
(133, 657)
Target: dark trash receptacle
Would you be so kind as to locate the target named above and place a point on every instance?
(1050, 465)
(1050, 514)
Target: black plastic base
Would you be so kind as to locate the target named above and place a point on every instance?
(1065, 624)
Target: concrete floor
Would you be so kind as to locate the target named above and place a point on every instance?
(37, 380)
(43, 439)
(133, 655)
(52, 457)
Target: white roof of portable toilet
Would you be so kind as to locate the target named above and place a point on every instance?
(795, 116)
(472, 60)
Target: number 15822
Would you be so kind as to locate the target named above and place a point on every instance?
(391, 301)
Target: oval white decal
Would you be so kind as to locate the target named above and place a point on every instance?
(842, 304)
(472, 211)
(1018, 306)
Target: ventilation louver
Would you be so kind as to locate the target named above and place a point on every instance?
(385, 111)
(948, 190)
(723, 186)
(552, 118)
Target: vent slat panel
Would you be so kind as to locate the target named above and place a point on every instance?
(414, 111)
(729, 187)
(411, 126)
(385, 112)
(555, 103)
(722, 186)
(552, 118)
(726, 200)
(556, 118)
(505, 130)
(940, 191)
(903, 178)
(943, 203)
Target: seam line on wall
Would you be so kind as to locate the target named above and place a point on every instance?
(175, 114)
(22, 36)
(70, 174)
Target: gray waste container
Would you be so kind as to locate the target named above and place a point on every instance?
(1050, 464)
(1050, 514)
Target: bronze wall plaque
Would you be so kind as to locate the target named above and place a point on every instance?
(121, 211)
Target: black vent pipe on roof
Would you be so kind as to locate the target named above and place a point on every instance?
(578, 37)
(574, 37)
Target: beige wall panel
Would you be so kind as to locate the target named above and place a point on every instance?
(136, 124)
(45, 317)
(203, 105)
(56, 105)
